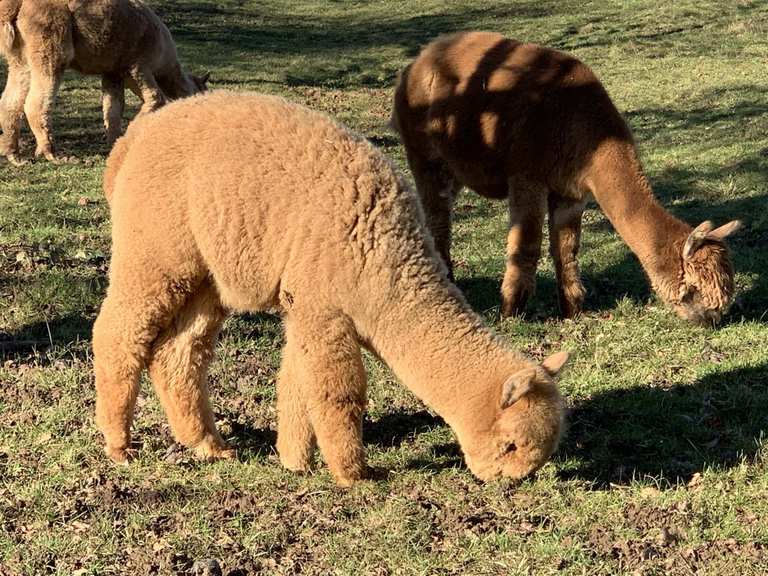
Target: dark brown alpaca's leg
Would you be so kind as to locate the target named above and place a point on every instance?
(325, 356)
(178, 369)
(564, 238)
(527, 207)
(12, 109)
(438, 189)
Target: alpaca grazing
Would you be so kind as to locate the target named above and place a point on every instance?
(535, 126)
(246, 202)
(122, 41)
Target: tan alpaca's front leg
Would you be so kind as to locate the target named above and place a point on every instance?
(438, 188)
(564, 239)
(112, 103)
(327, 354)
(12, 110)
(527, 207)
(178, 369)
(296, 440)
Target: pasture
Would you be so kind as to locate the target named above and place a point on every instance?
(664, 467)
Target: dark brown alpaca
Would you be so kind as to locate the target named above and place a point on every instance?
(535, 126)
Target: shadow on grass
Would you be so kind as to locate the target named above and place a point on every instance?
(41, 337)
(660, 434)
(667, 433)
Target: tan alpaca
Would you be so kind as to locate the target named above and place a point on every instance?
(536, 127)
(245, 202)
(122, 41)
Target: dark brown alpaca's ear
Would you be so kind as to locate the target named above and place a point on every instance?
(205, 77)
(517, 386)
(725, 230)
(704, 232)
(696, 238)
(555, 362)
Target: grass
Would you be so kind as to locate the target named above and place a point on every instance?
(664, 468)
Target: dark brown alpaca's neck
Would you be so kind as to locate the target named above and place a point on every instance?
(619, 186)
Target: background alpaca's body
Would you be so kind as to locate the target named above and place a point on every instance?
(250, 203)
(122, 41)
(535, 126)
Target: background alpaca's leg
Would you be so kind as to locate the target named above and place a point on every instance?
(438, 189)
(12, 109)
(327, 353)
(179, 366)
(564, 239)
(295, 437)
(112, 103)
(527, 208)
(150, 93)
(38, 108)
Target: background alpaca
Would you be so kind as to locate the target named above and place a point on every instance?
(123, 41)
(247, 202)
(535, 126)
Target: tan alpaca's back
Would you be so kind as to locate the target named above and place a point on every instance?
(217, 211)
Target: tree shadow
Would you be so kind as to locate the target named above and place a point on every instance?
(667, 434)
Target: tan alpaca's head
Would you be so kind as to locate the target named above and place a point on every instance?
(528, 425)
(706, 288)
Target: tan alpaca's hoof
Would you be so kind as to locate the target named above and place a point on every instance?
(299, 465)
(349, 478)
(211, 449)
(119, 455)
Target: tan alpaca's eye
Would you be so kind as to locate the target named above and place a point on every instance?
(511, 447)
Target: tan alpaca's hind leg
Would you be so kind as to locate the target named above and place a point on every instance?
(527, 207)
(296, 440)
(136, 308)
(112, 103)
(325, 354)
(564, 239)
(12, 110)
(438, 188)
(178, 368)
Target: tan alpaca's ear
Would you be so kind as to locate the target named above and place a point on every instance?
(517, 386)
(724, 231)
(555, 362)
(696, 238)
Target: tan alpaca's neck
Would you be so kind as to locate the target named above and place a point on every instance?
(441, 351)
(618, 184)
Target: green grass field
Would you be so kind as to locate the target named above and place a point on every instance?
(664, 469)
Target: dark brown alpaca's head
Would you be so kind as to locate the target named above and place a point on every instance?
(706, 288)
